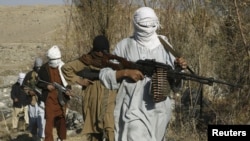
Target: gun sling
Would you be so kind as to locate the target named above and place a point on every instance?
(172, 51)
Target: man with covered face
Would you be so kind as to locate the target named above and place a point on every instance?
(36, 106)
(20, 102)
(98, 102)
(137, 115)
(49, 73)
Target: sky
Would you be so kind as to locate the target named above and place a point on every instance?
(30, 2)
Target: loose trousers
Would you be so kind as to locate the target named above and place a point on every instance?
(37, 119)
(15, 115)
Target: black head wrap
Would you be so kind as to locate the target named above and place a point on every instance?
(100, 43)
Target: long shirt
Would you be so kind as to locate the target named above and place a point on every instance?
(98, 101)
(137, 117)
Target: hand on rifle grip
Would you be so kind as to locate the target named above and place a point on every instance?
(51, 87)
(133, 74)
(31, 92)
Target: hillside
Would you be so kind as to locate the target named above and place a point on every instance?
(26, 32)
(30, 24)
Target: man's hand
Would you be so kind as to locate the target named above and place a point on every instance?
(181, 62)
(133, 74)
(32, 93)
(84, 82)
(51, 87)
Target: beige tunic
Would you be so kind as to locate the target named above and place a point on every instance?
(98, 102)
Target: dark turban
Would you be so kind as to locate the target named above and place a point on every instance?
(100, 43)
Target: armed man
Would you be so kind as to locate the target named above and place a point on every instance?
(98, 101)
(54, 111)
(36, 105)
(139, 113)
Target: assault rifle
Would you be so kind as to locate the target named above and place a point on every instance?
(36, 90)
(61, 89)
(149, 66)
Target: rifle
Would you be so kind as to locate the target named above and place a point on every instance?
(36, 90)
(149, 66)
(61, 89)
(175, 74)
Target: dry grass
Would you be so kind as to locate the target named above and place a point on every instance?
(212, 43)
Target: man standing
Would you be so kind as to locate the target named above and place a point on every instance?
(137, 115)
(20, 102)
(36, 106)
(49, 73)
(98, 102)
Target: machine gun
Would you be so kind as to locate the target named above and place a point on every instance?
(149, 66)
(162, 75)
(61, 89)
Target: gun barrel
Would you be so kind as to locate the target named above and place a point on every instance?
(222, 82)
(204, 80)
(43, 81)
(58, 86)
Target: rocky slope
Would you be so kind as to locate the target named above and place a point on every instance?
(26, 32)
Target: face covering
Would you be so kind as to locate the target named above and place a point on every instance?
(21, 78)
(38, 63)
(20, 81)
(55, 62)
(145, 25)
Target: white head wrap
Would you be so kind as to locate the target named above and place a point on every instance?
(21, 77)
(145, 25)
(54, 56)
(146, 16)
(54, 52)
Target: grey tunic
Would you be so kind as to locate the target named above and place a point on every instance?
(137, 117)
